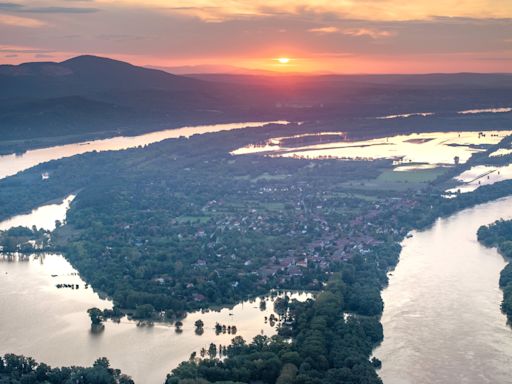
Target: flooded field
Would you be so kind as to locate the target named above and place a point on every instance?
(51, 324)
(481, 175)
(12, 164)
(501, 152)
(436, 148)
(43, 217)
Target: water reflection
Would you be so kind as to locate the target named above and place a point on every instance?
(406, 115)
(51, 324)
(442, 320)
(501, 152)
(427, 148)
(44, 315)
(480, 175)
(485, 110)
(12, 164)
(43, 217)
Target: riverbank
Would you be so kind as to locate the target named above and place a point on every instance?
(442, 321)
(499, 235)
(52, 325)
(21, 146)
(13, 164)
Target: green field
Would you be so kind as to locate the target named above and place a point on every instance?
(396, 181)
(415, 176)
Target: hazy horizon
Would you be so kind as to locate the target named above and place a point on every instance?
(244, 71)
(364, 37)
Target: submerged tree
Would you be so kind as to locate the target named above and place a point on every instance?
(96, 316)
(199, 327)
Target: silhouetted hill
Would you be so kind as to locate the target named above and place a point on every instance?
(86, 75)
(89, 95)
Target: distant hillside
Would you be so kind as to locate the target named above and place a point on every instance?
(89, 95)
(86, 75)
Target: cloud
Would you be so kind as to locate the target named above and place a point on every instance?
(248, 33)
(390, 10)
(10, 6)
(373, 33)
(22, 8)
(16, 21)
(21, 49)
(358, 32)
(324, 30)
(59, 10)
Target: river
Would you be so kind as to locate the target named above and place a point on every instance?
(12, 164)
(442, 320)
(52, 325)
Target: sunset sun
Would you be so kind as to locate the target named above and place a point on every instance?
(283, 60)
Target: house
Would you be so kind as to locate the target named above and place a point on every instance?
(198, 297)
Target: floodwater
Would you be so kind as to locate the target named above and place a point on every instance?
(51, 324)
(406, 115)
(43, 217)
(12, 164)
(480, 175)
(442, 319)
(440, 148)
(485, 110)
(501, 152)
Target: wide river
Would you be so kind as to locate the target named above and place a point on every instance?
(12, 164)
(442, 321)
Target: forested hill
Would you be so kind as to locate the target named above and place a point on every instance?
(86, 75)
(93, 96)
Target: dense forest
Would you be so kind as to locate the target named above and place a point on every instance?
(328, 346)
(16, 369)
(499, 234)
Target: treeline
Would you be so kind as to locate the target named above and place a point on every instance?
(15, 369)
(23, 239)
(321, 344)
(431, 205)
(499, 234)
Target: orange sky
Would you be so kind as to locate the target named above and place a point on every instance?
(345, 36)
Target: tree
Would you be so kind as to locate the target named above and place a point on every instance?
(144, 311)
(102, 362)
(96, 316)
(287, 375)
(199, 327)
(212, 351)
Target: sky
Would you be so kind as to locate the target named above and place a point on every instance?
(318, 36)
